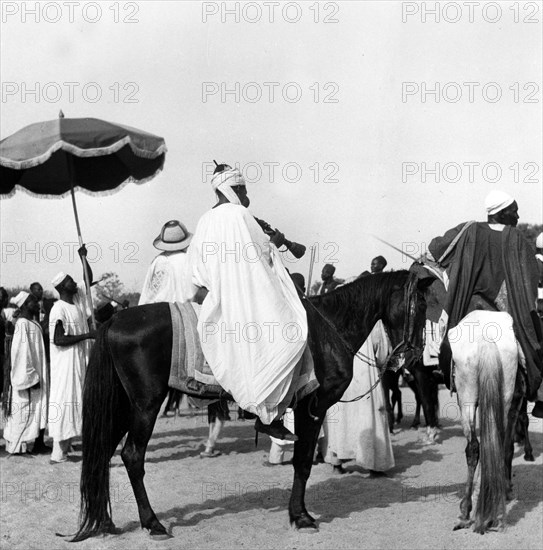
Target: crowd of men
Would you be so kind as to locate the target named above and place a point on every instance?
(487, 264)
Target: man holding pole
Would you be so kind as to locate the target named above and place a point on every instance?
(69, 356)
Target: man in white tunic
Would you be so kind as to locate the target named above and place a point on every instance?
(28, 378)
(168, 277)
(252, 325)
(69, 356)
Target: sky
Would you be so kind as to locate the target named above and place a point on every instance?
(348, 119)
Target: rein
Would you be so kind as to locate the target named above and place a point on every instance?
(408, 330)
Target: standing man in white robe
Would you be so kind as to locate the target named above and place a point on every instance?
(359, 430)
(252, 325)
(28, 379)
(69, 356)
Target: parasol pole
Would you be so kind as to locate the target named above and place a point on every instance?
(85, 273)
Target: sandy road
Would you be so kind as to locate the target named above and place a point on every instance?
(234, 502)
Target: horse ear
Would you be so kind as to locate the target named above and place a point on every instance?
(424, 283)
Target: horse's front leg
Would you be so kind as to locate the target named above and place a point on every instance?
(427, 392)
(307, 428)
(413, 385)
(386, 385)
(399, 416)
(512, 418)
(524, 422)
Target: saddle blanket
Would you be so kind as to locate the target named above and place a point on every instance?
(189, 371)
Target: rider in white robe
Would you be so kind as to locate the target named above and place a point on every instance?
(252, 325)
(28, 383)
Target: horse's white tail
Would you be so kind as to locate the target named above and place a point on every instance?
(491, 502)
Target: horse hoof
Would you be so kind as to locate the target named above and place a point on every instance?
(306, 522)
(529, 457)
(158, 536)
(463, 524)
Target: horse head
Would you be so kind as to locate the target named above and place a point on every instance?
(405, 319)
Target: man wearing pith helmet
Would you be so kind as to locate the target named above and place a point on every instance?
(168, 277)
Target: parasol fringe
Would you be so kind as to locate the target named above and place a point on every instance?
(67, 193)
(78, 152)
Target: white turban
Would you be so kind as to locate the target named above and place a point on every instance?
(496, 201)
(58, 278)
(20, 299)
(539, 241)
(224, 181)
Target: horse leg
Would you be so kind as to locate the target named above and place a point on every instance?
(513, 417)
(133, 455)
(399, 416)
(466, 384)
(413, 385)
(386, 384)
(307, 427)
(472, 459)
(427, 393)
(521, 431)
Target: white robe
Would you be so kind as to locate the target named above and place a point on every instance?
(68, 367)
(359, 430)
(252, 325)
(28, 367)
(168, 279)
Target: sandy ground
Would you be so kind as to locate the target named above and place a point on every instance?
(234, 502)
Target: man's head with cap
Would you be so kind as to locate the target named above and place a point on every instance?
(501, 208)
(64, 283)
(26, 302)
(229, 183)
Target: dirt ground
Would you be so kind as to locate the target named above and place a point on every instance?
(232, 501)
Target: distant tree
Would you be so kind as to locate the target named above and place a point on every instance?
(110, 285)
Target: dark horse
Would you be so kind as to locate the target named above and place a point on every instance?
(127, 381)
(422, 382)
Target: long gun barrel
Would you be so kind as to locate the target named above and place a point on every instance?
(296, 249)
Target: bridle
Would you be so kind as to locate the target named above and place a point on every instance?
(406, 344)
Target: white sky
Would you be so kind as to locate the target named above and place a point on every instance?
(366, 136)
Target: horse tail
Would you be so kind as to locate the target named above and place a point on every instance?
(491, 502)
(100, 395)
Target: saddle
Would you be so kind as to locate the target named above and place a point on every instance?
(189, 371)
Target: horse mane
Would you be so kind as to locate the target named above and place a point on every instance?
(346, 299)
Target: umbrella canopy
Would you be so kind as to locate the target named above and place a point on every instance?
(54, 158)
(88, 154)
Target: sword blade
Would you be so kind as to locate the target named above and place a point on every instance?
(395, 248)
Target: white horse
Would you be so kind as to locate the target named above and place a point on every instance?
(486, 357)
